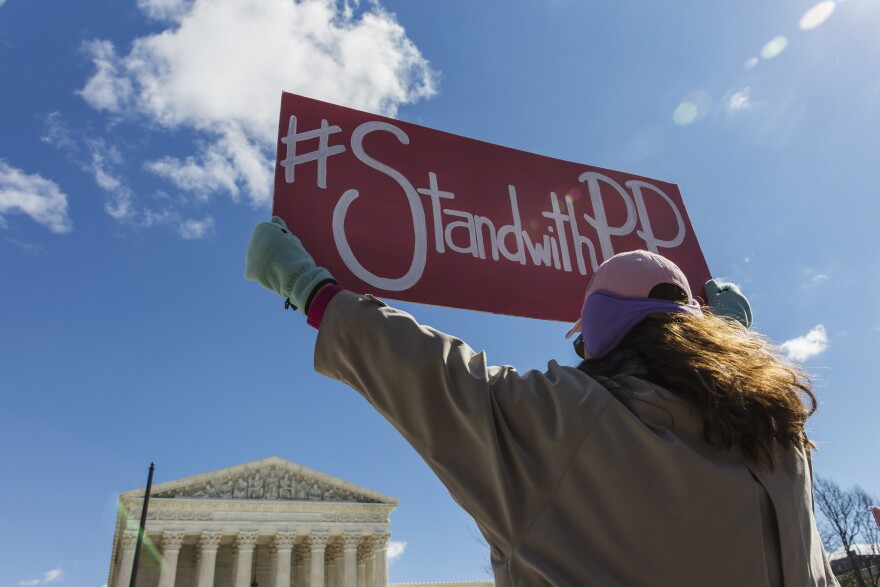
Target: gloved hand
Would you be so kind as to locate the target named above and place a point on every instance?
(277, 260)
(727, 301)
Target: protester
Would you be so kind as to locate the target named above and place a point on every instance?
(674, 454)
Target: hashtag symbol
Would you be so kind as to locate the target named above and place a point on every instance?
(324, 150)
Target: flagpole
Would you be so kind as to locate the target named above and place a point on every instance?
(140, 538)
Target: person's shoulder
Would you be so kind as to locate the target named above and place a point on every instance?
(571, 380)
(554, 368)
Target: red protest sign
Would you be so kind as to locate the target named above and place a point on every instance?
(416, 214)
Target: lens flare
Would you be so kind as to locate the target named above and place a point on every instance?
(694, 107)
(774, 47)
(685, 113)
(817, 15)
(740, 100)
(148, 543)
(750, 63)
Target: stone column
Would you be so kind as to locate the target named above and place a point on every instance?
(350, 564)
(273, 560)
(318, 547)
(126, 557)
(337, 566)
(298, 579)
(209, 542)
(307, 563)
(368, 556)
(382, 559)
(245, 543)
(283, 548)
(362, 573)
(171, 542)
(371, 570)
(331, 567)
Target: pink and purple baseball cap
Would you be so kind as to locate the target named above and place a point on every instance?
(617, 299)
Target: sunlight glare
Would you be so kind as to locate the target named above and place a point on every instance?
(693, 108)
(774, 47)
(750, 63)
(817, 15)
(685, 114)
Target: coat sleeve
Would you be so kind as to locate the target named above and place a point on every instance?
(499, 441)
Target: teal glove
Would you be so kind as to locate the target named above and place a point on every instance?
(277, 260)
(727, 301)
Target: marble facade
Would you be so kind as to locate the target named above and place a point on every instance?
(271, 521)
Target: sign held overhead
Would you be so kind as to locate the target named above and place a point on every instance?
(420, 215)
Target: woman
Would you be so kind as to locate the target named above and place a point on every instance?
(675, 454)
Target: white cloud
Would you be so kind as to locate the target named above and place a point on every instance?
(120, 203)
(186, 228)
(164, 9)
(57, 133)
(28, 248)
(818, 278)
(105, 163)
(195, 229)
(395, 550)
(50, 576)
(213, 170)
(108, 89)
(96, 157)
(805, 347)
(739, 100)
(220, 66)
(53, 575)
(32, 194)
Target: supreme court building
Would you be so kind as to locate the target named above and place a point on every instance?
(270, 522)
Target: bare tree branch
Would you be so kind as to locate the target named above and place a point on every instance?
(486, 565)
(868, 530)
(846, 520)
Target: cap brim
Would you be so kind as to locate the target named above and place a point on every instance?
(574, 329)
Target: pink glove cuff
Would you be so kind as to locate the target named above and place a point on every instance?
(320, 303)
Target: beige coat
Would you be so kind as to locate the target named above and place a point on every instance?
(576, 481)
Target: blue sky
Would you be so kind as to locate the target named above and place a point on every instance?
(136, 153)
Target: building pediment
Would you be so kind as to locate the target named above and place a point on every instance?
(273, 479)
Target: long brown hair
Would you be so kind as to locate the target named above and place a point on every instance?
(749, 395)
